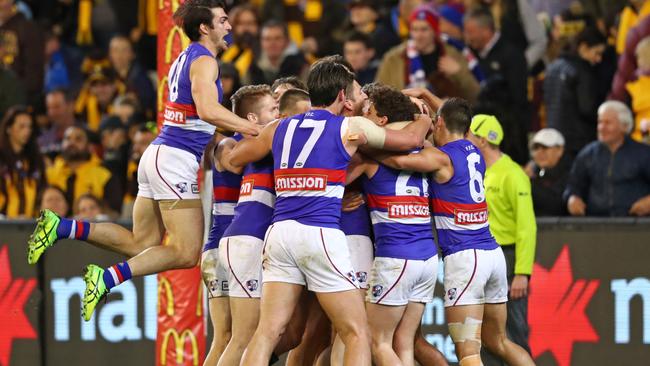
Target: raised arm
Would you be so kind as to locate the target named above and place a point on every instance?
(252, 149)
(410, 137)
(428, 160)
(221, 152)
(203, 75)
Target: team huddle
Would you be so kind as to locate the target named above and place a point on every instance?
(324, 200)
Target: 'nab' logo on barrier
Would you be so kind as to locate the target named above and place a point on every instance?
(179, 342)
(558, 302)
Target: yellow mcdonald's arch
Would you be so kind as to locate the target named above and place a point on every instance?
(199, 301)
(179, 342)
(175, 4)
(170, 42)
(164, 284)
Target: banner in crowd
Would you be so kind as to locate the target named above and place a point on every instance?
(589, 303)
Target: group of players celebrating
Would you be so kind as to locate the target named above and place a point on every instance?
(302, 189)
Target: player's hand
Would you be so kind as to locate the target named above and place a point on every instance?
(422, 106)
(448, 65)
(576, 206)
(519, 287)
(641, 207)
(415, 92)
(351, 201)
(248, 128)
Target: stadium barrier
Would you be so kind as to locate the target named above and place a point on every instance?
(589, 302)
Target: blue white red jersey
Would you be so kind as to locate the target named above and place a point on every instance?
(225, 193)
(356, 222)
(459, 208)
(182, 127)
(399, 210)
(254, 209)
(310, 163)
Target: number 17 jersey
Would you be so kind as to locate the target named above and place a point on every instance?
(459, 208)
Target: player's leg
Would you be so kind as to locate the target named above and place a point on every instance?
(404, 337)
(315, 336)
(464, 322)
(277, 305)
(426, 354)
(221, 326)
(495, 339)
(245, 316)
(383, 321)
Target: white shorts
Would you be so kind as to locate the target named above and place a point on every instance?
(242, 257)
(214, 273)
(400, 281)
(168, 173)
(475, 276)
(317, 257)
(361, 255)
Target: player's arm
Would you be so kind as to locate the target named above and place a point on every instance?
(427, 160)
(221, 152)
(432, 101)
(252, 149)
(358, 166)
(203, 75)
(410, 137)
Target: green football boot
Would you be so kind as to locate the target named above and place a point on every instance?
(43, 237)
(95, 290)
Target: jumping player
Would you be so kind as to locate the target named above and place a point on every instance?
(168, 197)
(304, 245)
(475, 276)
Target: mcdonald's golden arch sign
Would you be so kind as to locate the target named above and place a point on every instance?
(179, 340)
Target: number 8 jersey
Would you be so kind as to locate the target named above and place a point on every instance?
(459, 207)
(310, 163)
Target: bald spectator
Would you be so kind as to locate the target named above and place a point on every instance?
(77, 171)
(426, 61)
(611, 176)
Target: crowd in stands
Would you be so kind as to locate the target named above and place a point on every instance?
(568, 80)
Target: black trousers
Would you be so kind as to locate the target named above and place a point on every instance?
(517, 323)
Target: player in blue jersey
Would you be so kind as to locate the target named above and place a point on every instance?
(304, 246)
(168, 197)
(475, 279)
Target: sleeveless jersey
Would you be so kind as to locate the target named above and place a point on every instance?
(225, 193)
(182, 127)
(310, 163)
(254, 210)
(356, 222)
(399, 210)
(459, 207)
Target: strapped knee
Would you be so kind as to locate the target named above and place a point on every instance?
(468, 331)
(473, 360)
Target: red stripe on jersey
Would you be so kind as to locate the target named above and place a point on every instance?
(445, 207)
(260, 180)
(333, 176)
(226, 193)
(187, 108)
(379, 201)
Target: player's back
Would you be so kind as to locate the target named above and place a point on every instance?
(399, 210)
(459, 207)
(310, 163)
(182, 127)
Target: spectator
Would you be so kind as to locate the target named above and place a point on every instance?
(59, 104)
(281, 85)
(517, 23)
(627, 65)
(364, 18)
(425, 61)
(512, 223)
(9, 81)
(63, 65)
(77, 171)
(230, 82)
(504, 91)
(358, 51)
(312, 24)
(245, 33)
(630, 17)
(570, 92)
(292, 102)
(89, 208)
(142, 138)
(115, 146)
(639, 90)
(22, 169)
(451, 31)
(131, 74)
(548, 172)
(279, 57)
(127, 109)
(24, 48)
(53, 198)
(95, 102)
(611, 176)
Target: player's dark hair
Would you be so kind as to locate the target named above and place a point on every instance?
(326, 80)
(457, 113)
(337, 59)
(289, 99)
(391, 103)
(245, 100)
(192, 13)
(294, 81)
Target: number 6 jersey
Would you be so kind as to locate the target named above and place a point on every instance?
(459, 207)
